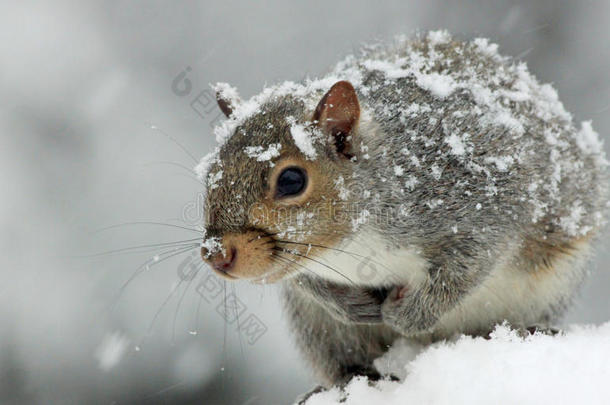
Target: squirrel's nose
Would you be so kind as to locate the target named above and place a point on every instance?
(223, 263)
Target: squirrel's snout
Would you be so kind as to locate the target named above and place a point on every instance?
(223, 263)
(245, 255)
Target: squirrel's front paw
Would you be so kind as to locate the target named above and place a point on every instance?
(354, 305)
(406, 312)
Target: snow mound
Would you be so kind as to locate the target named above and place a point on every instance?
(571, 368)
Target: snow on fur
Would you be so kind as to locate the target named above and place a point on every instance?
(303, 139)
(506, 100)
(227, 92)
(571, 368)
(263, 155)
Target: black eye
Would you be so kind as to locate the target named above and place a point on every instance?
(291, 181)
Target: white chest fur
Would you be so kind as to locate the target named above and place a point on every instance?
(367, 260)
(520, 296)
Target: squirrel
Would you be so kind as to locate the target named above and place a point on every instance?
(421, 189)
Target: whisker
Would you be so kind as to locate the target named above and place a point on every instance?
(170, 163)
(144, 223)
(171, 138)
(241, 345)
(199, 267)
(226, 325)
(196, 330)
(195, 179)
(156, 249)
(317, 261)
(165, 302)
(191, 174)
(147, 264)
(294, 262)
(337, 250)
(127, 249)
(270, 273)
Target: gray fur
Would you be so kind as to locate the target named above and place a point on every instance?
(488, 212)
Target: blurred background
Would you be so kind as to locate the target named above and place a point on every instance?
(91, 121)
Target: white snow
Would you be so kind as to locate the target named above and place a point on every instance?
(434, 203)
(392, 70)
(411, 183)
(438, 84)
(439, 37)
(588, 140)
(456, 143)
(202, 169)
(486, 48)
(214, 178)
(213, 245)
(437, 172)
(112, 349)
(506, 98)
(570, 368)
(261, 154)
(571, 224)
(340, 186)
(506, 119)
(502, 162)
(302, 138)
(227, 92)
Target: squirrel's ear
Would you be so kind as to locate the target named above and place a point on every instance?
(337, 115)
(227, 98)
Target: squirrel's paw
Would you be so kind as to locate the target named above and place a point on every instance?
(354, 305)
(406, 312)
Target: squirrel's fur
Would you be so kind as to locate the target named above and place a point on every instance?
(463, 182)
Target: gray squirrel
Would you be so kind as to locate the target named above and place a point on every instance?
(421, 189)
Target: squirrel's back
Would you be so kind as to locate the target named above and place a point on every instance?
(479, 159)
(476, 142)
(484, 167)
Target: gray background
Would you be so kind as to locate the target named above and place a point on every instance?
(80, 86)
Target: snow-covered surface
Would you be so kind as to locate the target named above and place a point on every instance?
(571, 368)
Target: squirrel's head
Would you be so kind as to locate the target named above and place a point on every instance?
(275, 196)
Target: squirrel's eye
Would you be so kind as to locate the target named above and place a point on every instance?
(291, 182)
